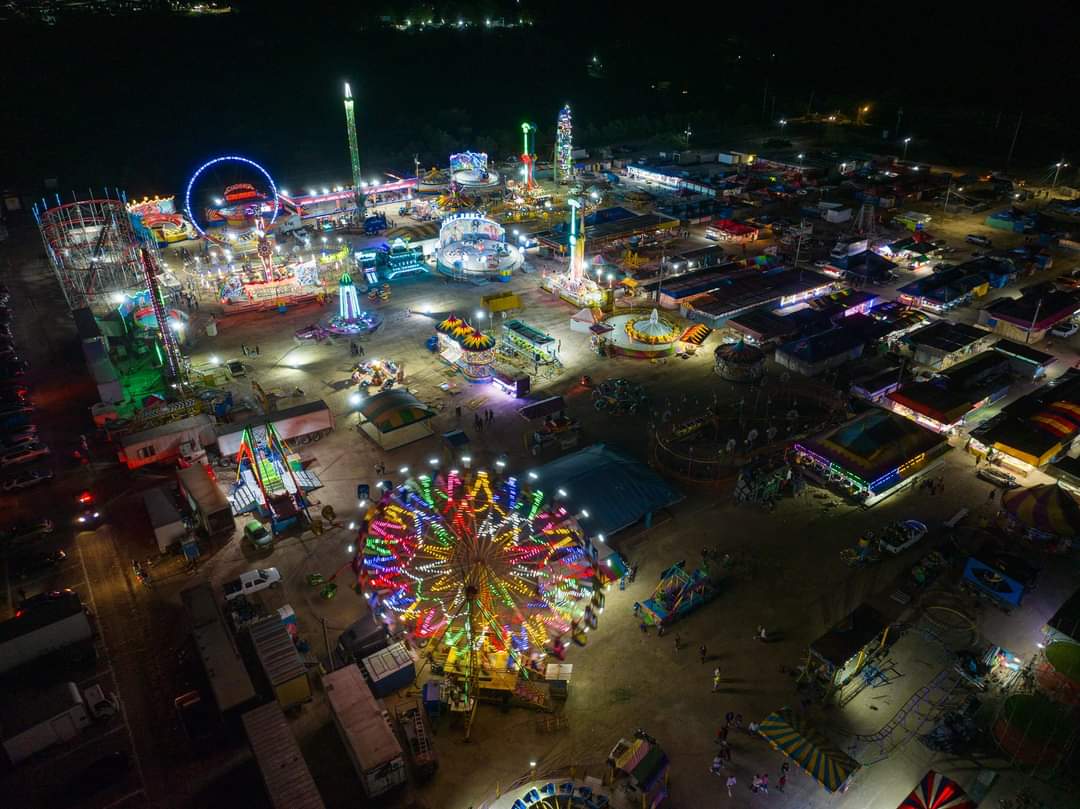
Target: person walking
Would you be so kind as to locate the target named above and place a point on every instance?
(781, 783)
(721, 734)
(716, 679)
(360, 349)
(990, 495)
(755, 784)
(730, 783)
(738, 721)
(644, 628)
(704, 654)
(765, 783)
(784, 768)
(678, 642)
(728, 719)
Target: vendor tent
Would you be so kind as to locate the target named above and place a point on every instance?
(394, 418)
(808, 749)
(1048, 509)
(615, 490)
(935, 791)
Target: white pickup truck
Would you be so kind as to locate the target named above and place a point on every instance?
(251, 582)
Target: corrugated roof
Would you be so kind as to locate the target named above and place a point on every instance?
(276, 651)
(359, 719)
(285, 772)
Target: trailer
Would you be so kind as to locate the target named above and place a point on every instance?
(57, 629)
(185, 438)
(288, 780)
(33, 722)
(362, 724)
(301, 424)
(229, 680)
(208, 504)
(281, 663)
(164, 517)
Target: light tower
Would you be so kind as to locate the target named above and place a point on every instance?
(577, 239)
(564, 147)
(527, 156)
(354, 151)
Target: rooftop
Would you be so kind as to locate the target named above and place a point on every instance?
(747, 289)
(946, 336)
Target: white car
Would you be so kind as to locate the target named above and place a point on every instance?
(24, 454)
(1065, 329)
(902, 535)
(252, 582)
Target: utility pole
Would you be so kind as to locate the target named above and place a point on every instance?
(1034, 320)
(764, 100)
(1012, 146)
(687, 135)
(945, 207)
(810, 103)
(899, 116)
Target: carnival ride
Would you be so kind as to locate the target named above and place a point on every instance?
(678, 593)
(351, 319)
(160, 218)
(528, 156)
(240, 209)
(564, 147)
(470, 171)
(473, 247)
(483, 576)
(93, 248)
(641, 336)
(270, 479)
(465, 347)
(739, 361)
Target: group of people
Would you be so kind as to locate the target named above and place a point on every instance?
(760, 781)
(479, 420)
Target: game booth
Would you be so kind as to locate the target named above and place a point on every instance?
(646, 768)
(840, 654)
(870, 457)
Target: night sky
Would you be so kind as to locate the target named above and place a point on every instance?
(140, 102)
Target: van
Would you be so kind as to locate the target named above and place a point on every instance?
(975, 238)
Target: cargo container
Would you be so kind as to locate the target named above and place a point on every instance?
(419, 744)
(184, 438)
(362, 724)
(288, 780)
(57, 629)
(281, 663)
(390, 669)
(33, 722)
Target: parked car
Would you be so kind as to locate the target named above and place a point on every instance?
(26, 480)
(975, 238)
(47, 597)
(902, 535)
(24, 454)
(257, 534)
(997, 477)
(35, 564)
(25, 530)
(1067, 328)
(252, 582)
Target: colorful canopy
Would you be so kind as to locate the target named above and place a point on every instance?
(935, 791)
(393, 409)
(696, 334)
(808, 749)
(1047, 508)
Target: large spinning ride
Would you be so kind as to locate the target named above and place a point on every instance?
(528, 158)
(482, 573)
(242, 208)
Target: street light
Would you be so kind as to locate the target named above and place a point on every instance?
(906, 142)
(1058, 166)
(782, 123)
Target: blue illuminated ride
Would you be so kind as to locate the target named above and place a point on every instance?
(227, 159)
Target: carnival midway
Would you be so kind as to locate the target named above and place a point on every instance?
(526, 454)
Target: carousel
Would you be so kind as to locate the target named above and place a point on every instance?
(739, 362)
(641, 336)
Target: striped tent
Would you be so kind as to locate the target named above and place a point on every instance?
(935, 791)
(696, 334)
(1048, 509)
(808, 749)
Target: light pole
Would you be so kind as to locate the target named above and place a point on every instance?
(1058, 166)
(906, 142)
(782, 123)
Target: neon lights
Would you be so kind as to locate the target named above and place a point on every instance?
(226, 159)
(564, 147)
(354, 150)
(464, 562)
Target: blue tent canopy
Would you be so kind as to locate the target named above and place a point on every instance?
(614, 489)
